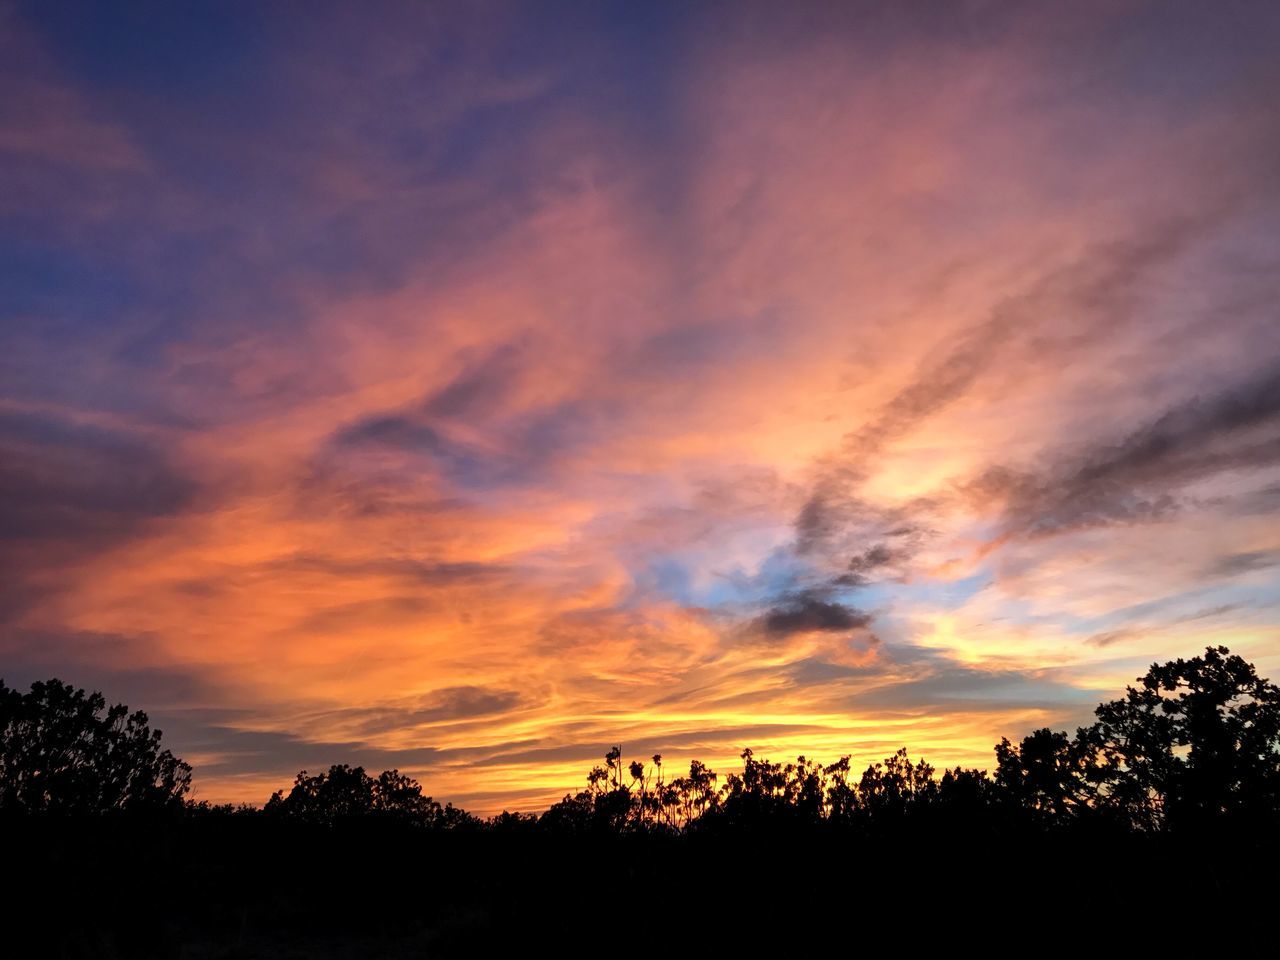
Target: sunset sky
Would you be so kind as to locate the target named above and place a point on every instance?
(467, 388)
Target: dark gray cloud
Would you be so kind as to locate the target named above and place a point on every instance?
(99, 661)
(418, 571)
(1190, 428)
(69, 491)
(1137, 477)
(942, 687)
(447, 705)
(812, 614)
(1235, 564)
(1045, 504)
(1109, 637)
(428, 455)
(405, 577)
(516, 451)
(245, 751)
(808, 611)
(399, 432)
(1209, 613)
(61, 479)
(813, 671)
(862, 565)
(1258, 502)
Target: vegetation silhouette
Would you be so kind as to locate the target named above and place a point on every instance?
(345, 792)
(1180, 775)
(65, 751)
(1195, 745)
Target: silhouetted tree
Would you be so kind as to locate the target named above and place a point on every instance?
(965, 794)
(842, 802)
(756, 795)
(896, 787)
(685, 799)
(63, 750)
(510, 823)
(1048, 775)
(573, 814)
(608, 804)
(1195, 744)
(1197, 741)
(345, 792)
(1180, 779)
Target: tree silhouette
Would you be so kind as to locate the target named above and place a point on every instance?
(1194, 745)
(896, 787)
(63, 750)
(685, 799)
(1047, 775)
(1196, 742)
(344, 793)
(1180, 777)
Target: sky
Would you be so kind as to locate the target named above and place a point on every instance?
(468, 388)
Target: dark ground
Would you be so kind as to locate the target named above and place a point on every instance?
(255, 888)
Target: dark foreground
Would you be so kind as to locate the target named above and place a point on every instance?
(249, 887)
(1153, 831)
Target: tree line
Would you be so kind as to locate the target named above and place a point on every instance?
(1194, 744)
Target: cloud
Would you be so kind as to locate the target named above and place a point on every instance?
(60, 478)
(1138, 632)
(1236, 564)
(1096, 293)
(864, 565)
(1138, 478)
(121, 667)
(806, 612)
(480, 388)
(1113, 636)
(948, 687)
(57, 152)
(70, 491)
(229, 751)
(422, 445)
